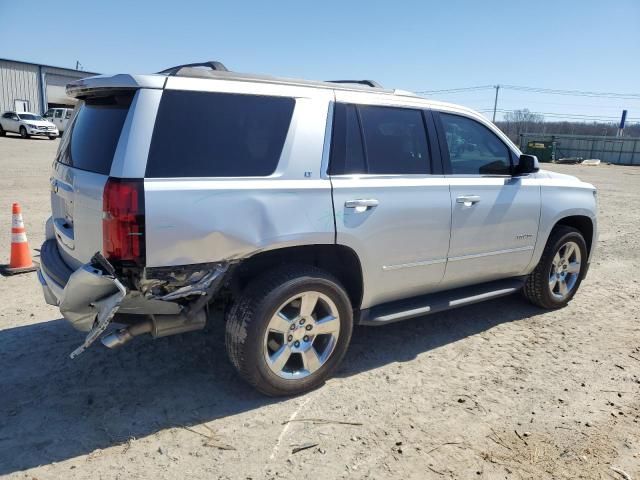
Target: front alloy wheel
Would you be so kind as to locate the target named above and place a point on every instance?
(560, 270)
(565, 269)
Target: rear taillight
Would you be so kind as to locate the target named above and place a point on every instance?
(123, 220)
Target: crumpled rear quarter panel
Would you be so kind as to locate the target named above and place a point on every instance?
(195, 221)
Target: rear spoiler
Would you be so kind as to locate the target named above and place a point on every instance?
(91, 85)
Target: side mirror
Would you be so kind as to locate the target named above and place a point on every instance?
(527, 164)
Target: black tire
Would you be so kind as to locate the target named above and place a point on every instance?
(2, 132)
(23, 133)
(537, 289)
(52, 137)
(249, 316)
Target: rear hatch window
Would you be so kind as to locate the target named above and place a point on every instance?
(91, 142)
(204, 134)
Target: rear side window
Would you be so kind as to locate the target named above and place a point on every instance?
(202, 134)
(473, 148)
(94, 134)
(378, 140)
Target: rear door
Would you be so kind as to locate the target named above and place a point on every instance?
(4, 121)
(391, 201)
(10, 122)
(82, 167)
(495, 215)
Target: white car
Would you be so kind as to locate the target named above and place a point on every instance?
(59, 117)
(27, 124)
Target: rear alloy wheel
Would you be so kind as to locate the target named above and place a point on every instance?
(23, 132)
(302, 335)
(560, 271)
(289, 330)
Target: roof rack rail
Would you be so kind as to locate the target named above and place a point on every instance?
(213, 65)
(369, 83)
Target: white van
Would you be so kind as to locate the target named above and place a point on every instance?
(59, 117)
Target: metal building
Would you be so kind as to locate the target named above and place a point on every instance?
(32, 87)
(619, 150)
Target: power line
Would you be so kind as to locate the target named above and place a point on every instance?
(577, 93)
(564, 115)
(456, 90)
(549, 91)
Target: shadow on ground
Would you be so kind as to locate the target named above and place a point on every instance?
(53, 408)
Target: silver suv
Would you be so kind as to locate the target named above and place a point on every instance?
(301, 207)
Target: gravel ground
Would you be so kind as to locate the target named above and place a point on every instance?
(495, 390)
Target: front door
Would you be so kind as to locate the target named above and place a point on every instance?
(495, 215)
(49, 115)
(58, 118)
(21, 105)
(389, 206)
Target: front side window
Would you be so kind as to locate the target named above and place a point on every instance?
(58, 113)
(473, 148)
(378, 141)
(49, 113)
(205, 134)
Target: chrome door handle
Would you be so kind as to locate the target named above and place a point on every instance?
(362, 204)
(468, 200)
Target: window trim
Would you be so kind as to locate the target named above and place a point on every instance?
(435, 160)
(444, 148)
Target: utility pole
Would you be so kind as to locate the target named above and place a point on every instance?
(78, 65)
(495, 104)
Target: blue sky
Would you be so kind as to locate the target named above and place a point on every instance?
(415, 45)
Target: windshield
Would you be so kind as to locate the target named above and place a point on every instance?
(29, 116)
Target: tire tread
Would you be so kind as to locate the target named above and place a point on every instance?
(243, 313)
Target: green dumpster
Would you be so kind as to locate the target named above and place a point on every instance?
(541, 149)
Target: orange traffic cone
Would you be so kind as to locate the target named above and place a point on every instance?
(20, 254)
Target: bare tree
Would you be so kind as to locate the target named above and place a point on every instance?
(523, 116)
(521, 121)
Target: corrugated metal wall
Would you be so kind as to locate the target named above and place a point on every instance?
(621, 150)
(56, 79)
(19, 81)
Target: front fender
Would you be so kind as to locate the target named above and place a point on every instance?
(558, 203)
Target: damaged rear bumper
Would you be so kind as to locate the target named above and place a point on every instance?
(90, 296)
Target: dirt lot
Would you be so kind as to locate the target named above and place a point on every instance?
(496, 390)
